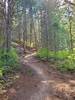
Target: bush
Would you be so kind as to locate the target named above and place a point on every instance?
(8, 60)
(62, 54)
(44, 53)
(67, 64)
(65, 58)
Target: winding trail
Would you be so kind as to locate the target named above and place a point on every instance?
(47, 83)
(44, 92)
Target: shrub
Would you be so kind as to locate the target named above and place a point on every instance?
(67, 64)
(65, 59)
(8, 60)
(62, 54)
(43, 53)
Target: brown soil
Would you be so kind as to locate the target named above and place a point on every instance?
(40, 80)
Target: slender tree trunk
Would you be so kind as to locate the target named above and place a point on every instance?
(8, 19)
(24, 27)
(70, 31)
(31, 24)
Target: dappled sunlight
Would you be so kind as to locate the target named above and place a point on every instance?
(15, 44)
(72, 82)
(40, 72)
(62, 87)
(47, 98)
(26, 61)
(17, 76)
(37, 49)
(30, 55)
(48, 81)
(58, 87)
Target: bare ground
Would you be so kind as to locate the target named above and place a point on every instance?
(39, 80)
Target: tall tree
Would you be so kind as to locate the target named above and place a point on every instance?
(8, 18)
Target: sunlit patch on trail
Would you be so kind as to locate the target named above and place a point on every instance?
(27, 56)
(63, 87)
(40, 72)
(47, 98)
(72, 82)
(48, 81)
(26, 61)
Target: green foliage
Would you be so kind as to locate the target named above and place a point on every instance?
(65, 58)
(8, 61)
(44, 53)
(62, 54)
(67, 64)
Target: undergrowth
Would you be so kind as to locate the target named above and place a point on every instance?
(64, 59)
(9, 61)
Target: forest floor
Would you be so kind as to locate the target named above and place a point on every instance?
(40, 80)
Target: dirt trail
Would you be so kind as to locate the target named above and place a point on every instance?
(46, 84)
(54, 85)
(44, 92)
